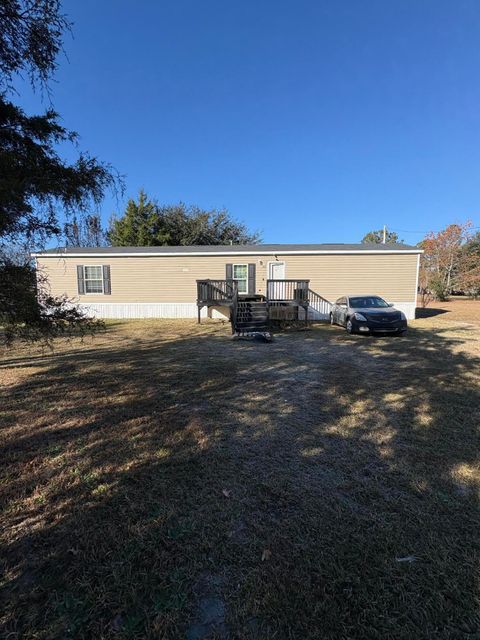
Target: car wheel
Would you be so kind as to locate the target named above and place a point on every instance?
(349, 326)
(331, 319)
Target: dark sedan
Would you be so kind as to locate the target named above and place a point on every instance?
(367, 314)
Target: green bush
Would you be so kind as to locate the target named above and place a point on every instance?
(439, 289)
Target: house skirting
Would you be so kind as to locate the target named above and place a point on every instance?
(408, 308)
(323, 313)
(131, 310)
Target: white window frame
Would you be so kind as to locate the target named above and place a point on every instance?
(93, 293)
(241, 264)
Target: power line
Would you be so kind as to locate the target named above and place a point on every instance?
(422, 232)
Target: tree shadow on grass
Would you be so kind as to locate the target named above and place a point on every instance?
(322, 486)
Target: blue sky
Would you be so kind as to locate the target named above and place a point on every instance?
(312, 121)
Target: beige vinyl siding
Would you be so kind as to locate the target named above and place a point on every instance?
(143, 279)
(392, 276)
(173, 279)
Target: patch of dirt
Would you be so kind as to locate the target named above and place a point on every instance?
(209, 620)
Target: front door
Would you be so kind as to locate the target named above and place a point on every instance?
(276, 271)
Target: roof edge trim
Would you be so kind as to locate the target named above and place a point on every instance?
(100, 254)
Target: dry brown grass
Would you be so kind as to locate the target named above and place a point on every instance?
(164, 481)
(459, 309)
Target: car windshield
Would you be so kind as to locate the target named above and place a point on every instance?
(366, 302)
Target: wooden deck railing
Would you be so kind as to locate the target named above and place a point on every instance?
(216, 291)
(288, 291)
(318, 307)
(279, 294)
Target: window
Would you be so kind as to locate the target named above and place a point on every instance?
(367, 303)
(93, 277)
(240, 275)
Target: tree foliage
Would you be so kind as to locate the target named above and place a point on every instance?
(31, 33)
(376, 237)
(138, 226)
(472, 246)
(450, 262)
(30, 313)
(35, 181)
(472, 260)
(145, 223)
(85, 231)
(37, 186)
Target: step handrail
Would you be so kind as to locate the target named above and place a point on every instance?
(234, 310)
(318, 303)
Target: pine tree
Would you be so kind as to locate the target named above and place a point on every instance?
(145, 223)
(37, 185)
(376, 237)
(138, 226)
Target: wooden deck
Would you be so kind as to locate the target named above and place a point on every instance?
(283, 298)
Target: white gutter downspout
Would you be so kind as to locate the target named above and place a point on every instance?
(416, 279)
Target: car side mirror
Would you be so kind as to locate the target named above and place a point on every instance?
(390, 304)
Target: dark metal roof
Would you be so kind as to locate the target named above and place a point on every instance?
(235, 248)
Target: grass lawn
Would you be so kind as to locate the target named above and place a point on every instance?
(164, 481)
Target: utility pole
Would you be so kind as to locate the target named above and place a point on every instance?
(384, 234)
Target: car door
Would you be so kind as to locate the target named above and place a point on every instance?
(336, 309)
(342, 311)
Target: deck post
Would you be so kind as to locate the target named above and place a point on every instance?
(199, 309)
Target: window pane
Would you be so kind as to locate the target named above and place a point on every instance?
(93, 273)
(93, 276)
(242, 286)
(93, 286)
(240, 270)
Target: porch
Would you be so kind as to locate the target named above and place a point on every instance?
(284, 299)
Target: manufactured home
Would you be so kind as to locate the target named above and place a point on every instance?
(188, 282)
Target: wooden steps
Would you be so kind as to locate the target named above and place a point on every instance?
(251, 316)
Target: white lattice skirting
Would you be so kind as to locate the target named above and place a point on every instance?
(131, 310)
(322, 312)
